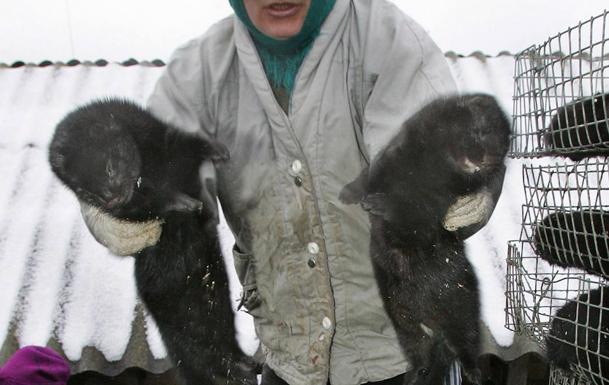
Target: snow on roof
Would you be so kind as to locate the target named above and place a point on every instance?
(59, 287)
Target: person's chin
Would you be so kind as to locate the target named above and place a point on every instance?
(283, 31)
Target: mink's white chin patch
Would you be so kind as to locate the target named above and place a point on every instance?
(468, 166)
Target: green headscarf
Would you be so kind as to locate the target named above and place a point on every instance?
(282, 58)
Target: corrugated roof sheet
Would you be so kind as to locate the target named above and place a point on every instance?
(59, 287)
(161, 63)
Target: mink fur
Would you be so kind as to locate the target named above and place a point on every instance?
(118, 157)
(579, 129)
(579, 335)
(452, 147)
(574, 239)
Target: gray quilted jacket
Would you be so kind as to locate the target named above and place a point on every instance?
(301, 254)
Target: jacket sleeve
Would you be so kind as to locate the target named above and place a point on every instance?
(178, 97)
(181, 98)
(403, 70)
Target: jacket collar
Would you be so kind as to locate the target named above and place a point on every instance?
(249, 59)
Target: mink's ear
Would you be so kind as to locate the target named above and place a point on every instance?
(355, 191)
(59, 165)
(57, 158)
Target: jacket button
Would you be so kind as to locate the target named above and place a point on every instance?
(296, 166)
(326, 323)
(311, 262)
(313, 248)
(298, 181)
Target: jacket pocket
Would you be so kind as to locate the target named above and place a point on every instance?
(246, 272)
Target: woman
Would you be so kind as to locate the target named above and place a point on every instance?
(304, 93)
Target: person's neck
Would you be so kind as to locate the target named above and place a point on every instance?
(281, 58)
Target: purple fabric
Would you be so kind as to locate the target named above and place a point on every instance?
(35, 365)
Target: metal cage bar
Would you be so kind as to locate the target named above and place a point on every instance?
(566, 214)
(561, 377)
(561, 94)
(558, 271)
(536, 290)
(553, 306)
(557, 280)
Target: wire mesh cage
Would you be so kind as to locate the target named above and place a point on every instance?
(559, 376)
(558, 270)
(566, 214)
(536, 290)
(565, 310)
(561, 100)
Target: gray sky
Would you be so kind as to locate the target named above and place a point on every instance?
(34, 30)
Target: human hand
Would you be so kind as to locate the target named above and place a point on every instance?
(119, 236)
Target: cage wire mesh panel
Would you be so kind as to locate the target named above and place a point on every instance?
(565, 308)
(561, 101)
(566, 215)
(557, 273)
(558, 270)
(536, 290)
(559, 377)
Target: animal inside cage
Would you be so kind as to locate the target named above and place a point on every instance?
(566, 214)
(561, 94)
(558, 271)
(565, 310)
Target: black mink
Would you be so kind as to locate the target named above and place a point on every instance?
(119, 158)
(579, 128)
(579, 335)
(452, 147)
(575, 239)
